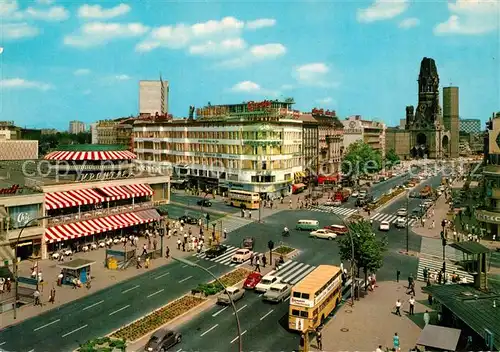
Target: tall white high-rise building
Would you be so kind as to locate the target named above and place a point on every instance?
(93, 132)
(76, 127)
(153, 97)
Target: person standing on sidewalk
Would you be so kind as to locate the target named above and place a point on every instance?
(179, 242)
(412, 305)
(225, 233)
(398, 274)
(52, 296)
(319, 340)
(36, 296)
(398, 307)
(167, 252)
(257, 265)
(395, 341)
(264, 260)
(144, 249)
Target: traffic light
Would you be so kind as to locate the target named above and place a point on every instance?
(270, 245)
(443, 242)
(442, 234)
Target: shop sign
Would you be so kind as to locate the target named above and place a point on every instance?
(21, 215)
(11, 190)
(207, 141)
(208, 155)
(301, 302)
(211, 111)
(491, 218)
(259, 106)
(321, 112)
(104, 176)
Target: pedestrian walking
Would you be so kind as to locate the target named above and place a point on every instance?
(264, 260)
(426, 273)
(179, 242)
(144, 250)
(249, 214)
(138, 266)
(155, 244)
(36, 296)
(167, 252)
(398, 274)
(146, 263)
(398, 307)
(427, 317)
(412, 305)
(225, 233)
(257, 265)
(149, 243)
(183, 246)
(319, 340)
(52, 296)
(8, 284)
(251, 259)
(395, 341)
(185, 237)
(410, 280)
(411, 290)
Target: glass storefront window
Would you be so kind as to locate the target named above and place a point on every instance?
(21, 215)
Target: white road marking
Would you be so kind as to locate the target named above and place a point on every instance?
(213, 266)
(237, 337)
(44, 326)
(130, 289)
(206, 332)
(264, 316)
(155, 293)
(287, 299)
(184, 266)
(3, 343)
(220, 311)
(187, 278)
(33, 350)
(240, 309)
(119, 310)
(93, 305)
(179, 350)
(73, 331)
(162, 275)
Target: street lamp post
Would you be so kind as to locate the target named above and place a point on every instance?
(407, 222)
(16, 266)
(238, 326)
(201, 206)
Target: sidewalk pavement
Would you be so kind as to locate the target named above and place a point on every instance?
(372, 322)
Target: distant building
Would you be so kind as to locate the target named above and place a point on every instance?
(470, 125)
(93, 133)
(30, 133)
(153, 97)
(115, 132)
(9, 131)
(369, 132)
(402, 124)
(76, 127)
(48, 131)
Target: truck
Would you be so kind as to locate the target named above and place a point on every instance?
(342, 195)
(426, 192)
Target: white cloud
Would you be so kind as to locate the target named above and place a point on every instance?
(314, 74)
(98, 12)
(19, 83)
(99, 33)
(260, 23)
(325, 101)
(8, 8)
(213, 48)
(255, 54)
(247, 87)
(470, 18)
(52, 14)
(45, 2)
(382, 10)
(12, 31)
(81, 72)
(408, 23)
(1, 49)
(122, 77)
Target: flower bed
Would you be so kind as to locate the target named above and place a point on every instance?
(386, 198)
(103, 344)
(230, 279)
(283, 250)
(157, 318)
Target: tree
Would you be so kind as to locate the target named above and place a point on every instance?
(368, 248)
(361, 159)
(391, 158)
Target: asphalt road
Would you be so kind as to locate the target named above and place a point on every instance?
(64, 328)
(217, 204)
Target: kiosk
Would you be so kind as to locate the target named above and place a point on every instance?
(78, 269)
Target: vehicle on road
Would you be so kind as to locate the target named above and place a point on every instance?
(248, 243)
(337, 203)
(338, 229)
(417, 213)
(188, 219)
(402, 212)
(162, 340)
(233, 293)
(363, 192)
(277, 293)
(426, 192)
(329, 203)
(204, 203)
(252, 280)
(241, 255)
(355, 194)
(243, 199)
(266, 282)
(322, 233)
(401, 223)
(342, 195)
(384, 226)
(314, 298)
(215, 251)
(311, 225)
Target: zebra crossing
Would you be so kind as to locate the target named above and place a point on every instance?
(436, 265)
(390, 218)
(231, 223)
(225, 258)
(336, 210)
(292, 272)
(433, 247)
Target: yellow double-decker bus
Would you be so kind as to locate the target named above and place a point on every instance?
(243, 199)
(314, 298)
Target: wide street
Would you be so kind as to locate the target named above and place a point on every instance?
(264, 324)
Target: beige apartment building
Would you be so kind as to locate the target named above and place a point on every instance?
(370, 132)
(153, 97)
(114, 132)
(252, 146)
(76, 127)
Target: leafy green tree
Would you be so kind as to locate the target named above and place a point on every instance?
(391, 158)
(361, 159)
(368, 249)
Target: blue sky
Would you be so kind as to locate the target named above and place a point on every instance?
(65, 60)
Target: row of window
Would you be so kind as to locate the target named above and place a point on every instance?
(217, 135)
(222, 149)
(305, 314)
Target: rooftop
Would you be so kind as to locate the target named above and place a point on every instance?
(470, 247)
(91, 147)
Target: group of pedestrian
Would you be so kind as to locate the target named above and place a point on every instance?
(246, 213)
(257, 261)
(5, 285)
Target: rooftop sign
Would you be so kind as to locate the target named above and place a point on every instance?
(11, 190)
(321, 112)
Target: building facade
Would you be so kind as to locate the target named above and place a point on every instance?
(369, 132)
(115, 132)
(470, 125)
(254, 146)
(9, 131)
(76, 127)
(310, 146)
(451, 113)
(153, 97)
(18, 150)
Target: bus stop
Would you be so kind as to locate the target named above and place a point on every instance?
(76, 271)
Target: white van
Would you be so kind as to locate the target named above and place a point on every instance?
(309, 225)
(401, 222)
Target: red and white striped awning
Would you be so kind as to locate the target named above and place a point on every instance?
(140, 190)
(94, 226)
(58, 200)
(97, 155)
(116, 192)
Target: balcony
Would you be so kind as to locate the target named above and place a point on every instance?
(99, 213)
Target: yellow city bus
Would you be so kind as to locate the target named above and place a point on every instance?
(314, 298)
(243, 199)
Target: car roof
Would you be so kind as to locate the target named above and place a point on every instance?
(161, 332)
(254, 273)
(232, 289)
(243, 250)
(279, 286)
(338, 226)
(385, 222)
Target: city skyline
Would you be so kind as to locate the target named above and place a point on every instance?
(363, 60)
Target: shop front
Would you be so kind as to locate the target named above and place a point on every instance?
(266, 190)
(328, 179)
(489, 223)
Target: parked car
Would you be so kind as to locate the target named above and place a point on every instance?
(384, 226)
(241, 255)
(338, 229)
(188, 219)
(337, 203)
(215, 251)
(162, 340)
(401, 222)
(355, 194)
(248, 243)
(402, 212)
(233, 293)
(323, 233)
(204, 203)
(277, 293)
(252, 280)
(266, 282)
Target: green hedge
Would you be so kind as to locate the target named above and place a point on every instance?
(103, 344)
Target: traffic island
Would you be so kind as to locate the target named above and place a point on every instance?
(103, 344)
(386, 199)
(285, 251)
(230, 279)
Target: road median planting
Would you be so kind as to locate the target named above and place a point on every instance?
(285, 251)
(386, 199)
(103, 344)
(230, 279)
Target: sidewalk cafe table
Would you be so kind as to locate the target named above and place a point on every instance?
(76, 270)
